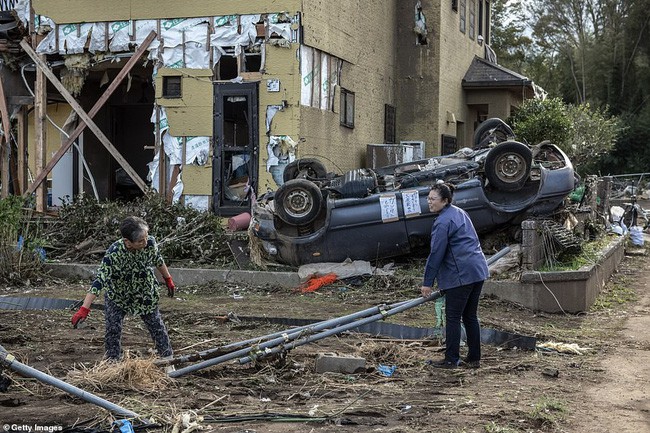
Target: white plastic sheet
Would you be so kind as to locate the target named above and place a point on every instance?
(197, 150)
(73, 38)
(319, 74)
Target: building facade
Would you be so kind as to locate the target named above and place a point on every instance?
(226, 94)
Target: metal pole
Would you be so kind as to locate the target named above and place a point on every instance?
(8, 360)
(383, 314)
(211, 353)
(285, 337)
(498, 255)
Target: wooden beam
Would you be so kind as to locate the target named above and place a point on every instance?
(22, 150)
(40, 111)
(93, 111)
(4, 143)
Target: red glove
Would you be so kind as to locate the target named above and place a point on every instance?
(170, 286)
(80, 316)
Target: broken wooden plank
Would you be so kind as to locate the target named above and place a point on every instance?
(4, 143)
(93, 111)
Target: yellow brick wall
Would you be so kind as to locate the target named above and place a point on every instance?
(457, 51)
(363, 35)
(281, 64)
(418, 76)
(77, 11)
(190, 115)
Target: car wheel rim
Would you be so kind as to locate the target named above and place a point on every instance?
(298, 203)
(511, 167)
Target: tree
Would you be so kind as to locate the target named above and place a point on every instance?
(593, 136)
(537, 120)
(509, 40)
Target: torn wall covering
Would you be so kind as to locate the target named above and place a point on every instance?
(320, 73)
(187, 43)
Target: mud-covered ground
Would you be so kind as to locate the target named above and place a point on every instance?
(513, 391)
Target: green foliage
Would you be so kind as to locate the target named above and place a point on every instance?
(509, 40)
(594, 135)
(86, 227)
(614, 295)
(548, 410)
(537, 120)
(20, 244)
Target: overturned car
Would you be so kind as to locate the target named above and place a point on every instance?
(369, 214)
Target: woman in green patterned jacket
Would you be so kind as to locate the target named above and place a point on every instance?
(126, 276)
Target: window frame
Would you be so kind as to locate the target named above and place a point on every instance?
(167, 87)
(347, 108)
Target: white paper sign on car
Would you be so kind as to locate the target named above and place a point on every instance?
(411, 203)
(388, 204)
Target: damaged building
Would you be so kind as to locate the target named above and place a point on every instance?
(207, 102)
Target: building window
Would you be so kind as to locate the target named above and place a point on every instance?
(454, 5)
(472, 18)
(347, 108)
(389, 124)
(171, 86)
(461, 13)
(486, 31)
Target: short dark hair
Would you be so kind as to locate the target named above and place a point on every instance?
(132, 228)
(444, 190)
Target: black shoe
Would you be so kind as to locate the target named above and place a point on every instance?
(470, 364)
(443, 364)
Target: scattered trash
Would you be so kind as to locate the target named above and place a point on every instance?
(572, 348)
(236, 295)
(124, 426)
(386, 370)
(636, 236)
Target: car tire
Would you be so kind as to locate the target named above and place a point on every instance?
(305, 168)
(298, 202)
(502, 132)
(507, 165)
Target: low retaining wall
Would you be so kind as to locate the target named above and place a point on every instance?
(187, 276)
(568, 291)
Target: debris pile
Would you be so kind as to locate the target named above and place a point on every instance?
(186, 237)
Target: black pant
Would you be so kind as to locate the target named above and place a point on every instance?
(462, 303)
(113, 339)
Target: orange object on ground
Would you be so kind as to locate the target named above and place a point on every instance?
(316, 283)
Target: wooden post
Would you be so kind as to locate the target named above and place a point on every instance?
(4, 143)
(40, 111)
(21, 156)
(42, 174)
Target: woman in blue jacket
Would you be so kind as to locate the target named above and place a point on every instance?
(457, 263)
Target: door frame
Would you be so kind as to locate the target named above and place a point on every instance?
(222, 90)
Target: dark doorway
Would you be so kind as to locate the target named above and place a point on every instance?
(235, 147)
(133, 137)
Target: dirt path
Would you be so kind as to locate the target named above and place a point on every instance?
(621, 402)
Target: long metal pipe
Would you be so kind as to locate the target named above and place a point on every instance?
(8, 360)
(498, 255)
(211, 353)
(279, 338)
(337, 330)
(282, 339)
